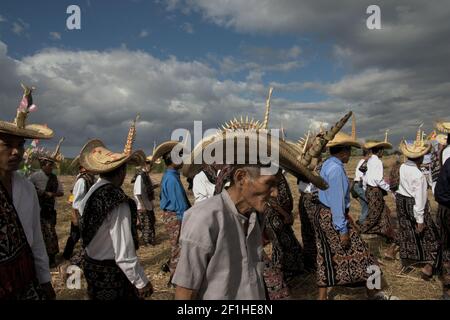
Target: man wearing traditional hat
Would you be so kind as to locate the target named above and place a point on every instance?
(221, 241)
(173, 200)
(83, 182)
(378, 219)
(342, 256)
(108, 225)
(24, 268)
(418, 235)
(144, 194)
(49, 188)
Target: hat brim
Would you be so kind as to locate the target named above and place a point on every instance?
(383, 145)
(92, 164)
(343, 139)
(163, 149)
(443, 126)
(31, 131)
(287, 156)
(414, 154)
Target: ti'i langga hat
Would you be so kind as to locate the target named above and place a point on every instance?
(379, 144)
(418, 148)
(96, 158)
(19, 127)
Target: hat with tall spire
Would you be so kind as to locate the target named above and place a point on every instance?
(19, 127)
(379, 144)
(418, 148)
(96, 158)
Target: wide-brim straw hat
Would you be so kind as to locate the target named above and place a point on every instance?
(163, 149)
(413, 151)
(377, 144)
(441, 139)
(96, 158)
(30, 131)
(252, 141)
(443, 126)
(343, 139)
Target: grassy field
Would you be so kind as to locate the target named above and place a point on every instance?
(406, 286)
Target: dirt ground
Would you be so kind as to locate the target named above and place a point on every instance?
(405, 286)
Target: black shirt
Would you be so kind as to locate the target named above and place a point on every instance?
(442, 189)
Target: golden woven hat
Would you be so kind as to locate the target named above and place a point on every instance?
(417, 149)
(443, 126)
(96, 158)
(252, 141)
(19, 127)
(163, 149)
(343, 139)
(379, 144)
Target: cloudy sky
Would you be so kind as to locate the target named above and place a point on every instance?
(176, 61)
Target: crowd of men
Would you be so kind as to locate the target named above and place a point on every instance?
(217, 244)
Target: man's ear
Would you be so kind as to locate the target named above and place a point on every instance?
(240, 175)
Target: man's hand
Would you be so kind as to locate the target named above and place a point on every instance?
(345, 241)
(49, 292)
(185, 294)
(49, 194)
(146, 291)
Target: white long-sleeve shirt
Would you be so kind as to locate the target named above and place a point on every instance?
(141, 196)
(202, 188)
(413, 183)
(374, 176)
(26, 202)
(114, 241)
(79, 191)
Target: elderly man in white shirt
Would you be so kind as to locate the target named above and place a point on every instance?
(378, 218)
(418, 235)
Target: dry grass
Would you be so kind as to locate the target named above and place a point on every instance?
(406, 286)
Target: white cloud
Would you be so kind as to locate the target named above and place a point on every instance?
(55, 35)
(17, 28)
(188, 27)
(2, 18)
(144, 34)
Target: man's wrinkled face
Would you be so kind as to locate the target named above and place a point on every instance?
(11, 152)
(258, 189)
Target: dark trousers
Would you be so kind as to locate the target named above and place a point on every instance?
(71, 241)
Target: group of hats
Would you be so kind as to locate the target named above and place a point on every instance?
(297, 158)
(422, 146)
